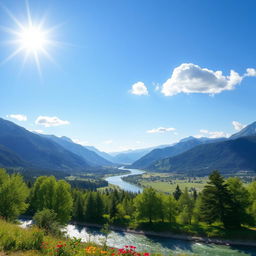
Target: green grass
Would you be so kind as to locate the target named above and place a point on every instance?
(167, 187)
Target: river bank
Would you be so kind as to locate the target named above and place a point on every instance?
(201, 239)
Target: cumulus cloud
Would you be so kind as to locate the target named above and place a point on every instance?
(139, 88)
(250, 72)
(238, 126)
(212, 135)
(18, 117)
(49, 121)
(191, 78)
(161, 130)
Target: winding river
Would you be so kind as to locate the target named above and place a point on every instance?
(118, 181)
(152, 244)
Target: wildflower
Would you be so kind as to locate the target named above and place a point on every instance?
(146, 254)
(103, 252)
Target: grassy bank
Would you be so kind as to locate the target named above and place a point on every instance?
(15, 241)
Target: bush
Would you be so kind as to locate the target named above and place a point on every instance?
(47, 220)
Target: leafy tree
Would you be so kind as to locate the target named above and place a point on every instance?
(177, 193)
(171, 208)
(47, 220)
(252, 208)
(147, 205)
(216, 202)
(186, 205)
(13, 195)
(63, 202)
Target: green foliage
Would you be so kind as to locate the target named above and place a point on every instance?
(47, 220)
(13, 195)
(148, 205)
(47, 193)
(14, 238)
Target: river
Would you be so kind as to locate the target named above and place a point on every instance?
(152, 244)
(118, 181)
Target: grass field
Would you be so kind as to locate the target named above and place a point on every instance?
(168, 187)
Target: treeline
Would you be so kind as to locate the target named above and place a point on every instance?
(227, 202)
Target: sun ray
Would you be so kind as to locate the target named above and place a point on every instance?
(31, 38)
(11, 56)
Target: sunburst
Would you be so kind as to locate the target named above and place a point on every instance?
(30, 38)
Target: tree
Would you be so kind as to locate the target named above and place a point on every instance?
(240, 197)
(13, 195)
(171, 208)
(47, 220)
(186, 205)
(63, 202)
(252, 208)
(216, 202)
(147, 205)
(78, 210)
(47, 193)
(177, 193)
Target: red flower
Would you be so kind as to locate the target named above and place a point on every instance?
(146, 254)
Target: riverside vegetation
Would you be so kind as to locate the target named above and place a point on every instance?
(224, 208)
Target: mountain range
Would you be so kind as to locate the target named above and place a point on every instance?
(22, 148)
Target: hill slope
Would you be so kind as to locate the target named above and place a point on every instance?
(228, 156)
(36, 150)
(89, 156)
(161, 153)
(249, 130)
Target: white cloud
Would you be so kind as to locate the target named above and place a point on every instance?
(212, 135)
(238, 126)
(49, 121)
(108, 141)
(18, 117)
(161, 130)
(139, 88)
(191, 78)
(250, 72)
(81, 142)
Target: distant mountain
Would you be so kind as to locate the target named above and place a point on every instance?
(130, 156)
(101, 153)
(161, 153)
(249, 130)
(227, 156)
(34, 150)
(182, 146)
(88, 155)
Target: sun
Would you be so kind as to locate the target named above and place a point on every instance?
(29, 38)
(33, 39)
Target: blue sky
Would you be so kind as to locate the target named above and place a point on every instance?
(133, 73)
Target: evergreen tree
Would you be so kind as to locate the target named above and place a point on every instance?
(177, 193)
(171, 208)
(216, 202)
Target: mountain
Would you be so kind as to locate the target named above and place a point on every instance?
(9, 158)
(88, 155)
(182, 146)
(249, 130)
(101, 153)
(23, 146)
(227, 156)
(130, 156)
(161, 153)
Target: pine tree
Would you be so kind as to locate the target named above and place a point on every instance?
(177, 193)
